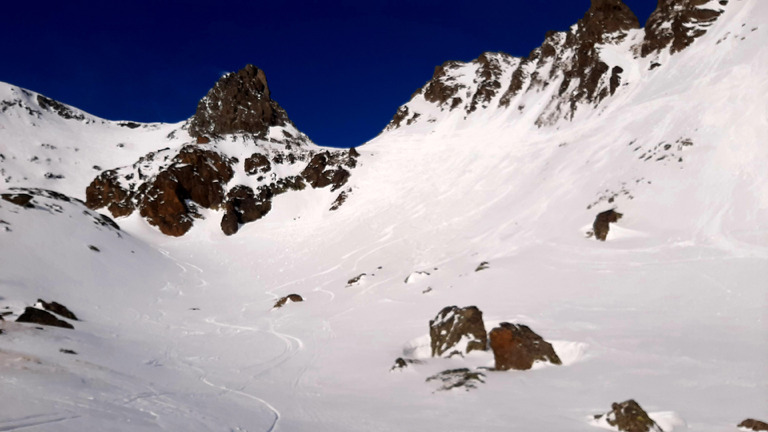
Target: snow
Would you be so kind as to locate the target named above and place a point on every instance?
(179, 333)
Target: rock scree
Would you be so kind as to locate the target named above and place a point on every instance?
(458, 378)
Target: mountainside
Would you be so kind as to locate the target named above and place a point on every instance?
(325, 311)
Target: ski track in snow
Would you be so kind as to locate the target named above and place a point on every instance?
(34, 421)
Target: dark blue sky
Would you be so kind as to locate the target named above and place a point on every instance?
(339, 68)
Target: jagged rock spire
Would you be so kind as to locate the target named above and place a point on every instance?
(239, 103)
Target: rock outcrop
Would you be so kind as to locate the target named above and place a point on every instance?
(569, 64)
(170, 186)
(195, 176)
(238, 103)
(628, 416)
(516, 346)
(37, 316)
(243, 206)
(677, 23)
(601, 226)
(20, 199)
(755, 425)
(457, 331)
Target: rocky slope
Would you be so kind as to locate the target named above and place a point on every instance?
(602, 53)
(246, 152)
(486, 209)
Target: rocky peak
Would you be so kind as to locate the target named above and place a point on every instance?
(239, 102)
(676, 23)
(572, 65)
(605, 17)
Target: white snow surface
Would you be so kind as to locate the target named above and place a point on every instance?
(179, 333)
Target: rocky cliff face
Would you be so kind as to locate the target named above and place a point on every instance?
(583, 66)
(677, 23)
(239, 132)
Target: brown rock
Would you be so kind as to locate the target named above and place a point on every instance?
(292, 297)
(257, 163)
(243, 206)
(318, 174)
(755, 425)
(20, 199)
(516, 346)
(601, 226)
(105, 191)
(37, 316)
(628, 416)
(196, 175)
(238, 102)
(453, 325)
(676, 24)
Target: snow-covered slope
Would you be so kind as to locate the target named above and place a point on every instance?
(669, 311)
(44, 143)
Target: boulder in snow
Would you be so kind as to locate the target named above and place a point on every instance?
(57, 308)
(357, 280)
(628, 416)
(20, 199)
(290, 297)
(402, 363)
(457, 331)
(416, 277)
(755, 425)
(37, 316)
(601, 225)
(516, 346)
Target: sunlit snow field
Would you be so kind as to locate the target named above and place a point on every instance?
(672, 310)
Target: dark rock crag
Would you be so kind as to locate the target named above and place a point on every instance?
(244, 206)
(601, 226)
(516, 346)
(58, 309)
(676, 24)
(194, 177)
(20, 199)
(568, 61)
(37, 316)
(453, 325)
(169, 187)
(238, 103)
(628, 416)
